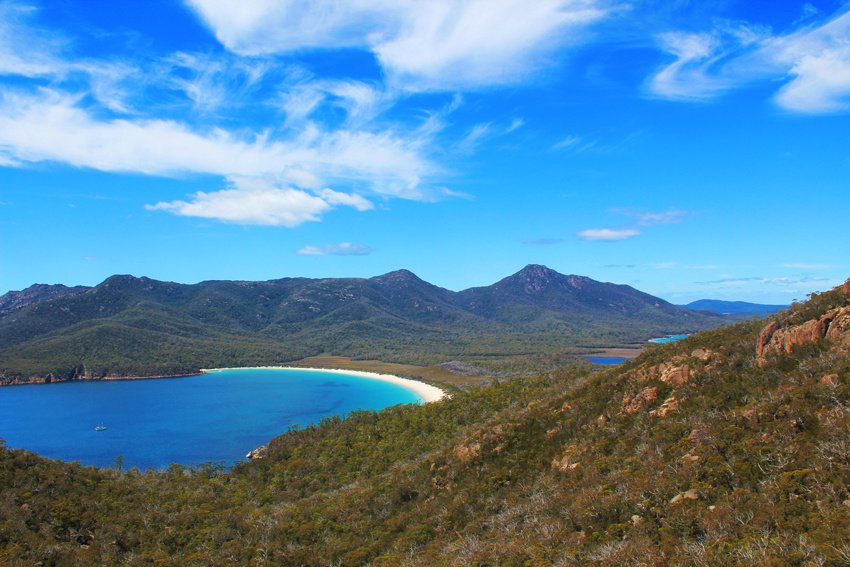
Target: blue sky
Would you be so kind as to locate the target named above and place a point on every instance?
(690, 149)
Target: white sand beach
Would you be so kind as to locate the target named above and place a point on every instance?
(427, 392)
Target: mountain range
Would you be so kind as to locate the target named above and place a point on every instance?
(137, 326)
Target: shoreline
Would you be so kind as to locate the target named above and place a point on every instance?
(427, 392)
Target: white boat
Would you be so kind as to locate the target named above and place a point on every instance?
(100, 428)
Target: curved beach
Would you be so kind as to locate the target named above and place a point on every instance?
(427, 392)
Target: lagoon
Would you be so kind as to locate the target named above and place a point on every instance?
(607, 360)
(214, 417)
(668, 339)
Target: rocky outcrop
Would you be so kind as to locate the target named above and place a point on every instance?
(775, 339)
(670, 405)
(260, 452)
(686, 495)
(640, 401)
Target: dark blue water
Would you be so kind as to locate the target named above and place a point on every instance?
(215, 417)
(606, 359)
(668, 339)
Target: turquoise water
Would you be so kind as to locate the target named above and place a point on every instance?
(215, 417)
(668, 339)
(606, 359)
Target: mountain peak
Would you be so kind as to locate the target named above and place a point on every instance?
(397, 276)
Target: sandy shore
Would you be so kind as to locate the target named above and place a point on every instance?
(427, 392)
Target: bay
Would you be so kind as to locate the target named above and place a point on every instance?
(215, 417)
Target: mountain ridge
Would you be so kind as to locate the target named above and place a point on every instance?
(170, 327)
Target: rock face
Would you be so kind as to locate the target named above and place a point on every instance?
(640, 401)
(775, 339)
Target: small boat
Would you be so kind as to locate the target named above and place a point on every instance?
(100, 428)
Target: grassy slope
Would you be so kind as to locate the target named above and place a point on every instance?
(759, 459)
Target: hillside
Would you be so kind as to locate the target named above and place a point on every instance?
(144, 327)
(738, 308)
(727, 448)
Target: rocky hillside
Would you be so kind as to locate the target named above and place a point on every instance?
(728, 448)
(14, 300)
(140, 326)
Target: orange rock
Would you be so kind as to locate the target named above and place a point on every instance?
(830, 380)
(687, 495)
(702, 354)
(640, 401)
(676, 375)
(834, 325)
(670, 404)
(564, 464)
(465, 453)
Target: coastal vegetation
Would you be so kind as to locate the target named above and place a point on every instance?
(727, 448)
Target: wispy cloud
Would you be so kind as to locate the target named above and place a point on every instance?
(570, 141)
(805, 266)
(813, 61)
(782, 280)
(644, 218)
(608, 233)
(542, 241)
(341, 249)
(50, 126)
(438, 45)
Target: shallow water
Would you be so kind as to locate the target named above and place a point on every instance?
(606, 359)
(215, 417)
(668, 339)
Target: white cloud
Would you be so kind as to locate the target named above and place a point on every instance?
(352, 200)
(480, 42)
(341, 249)
(688, 77)
(819, 61)
(813, 62)
(608, 233)
(49, 126)
(250, 201)
(435, 45)
(25, 51)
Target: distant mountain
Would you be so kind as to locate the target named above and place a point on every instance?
(537, 291)
(739, 308)
(140, 326)
(14, 300)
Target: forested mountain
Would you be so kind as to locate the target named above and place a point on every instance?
(139, 326)
(727, 448)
